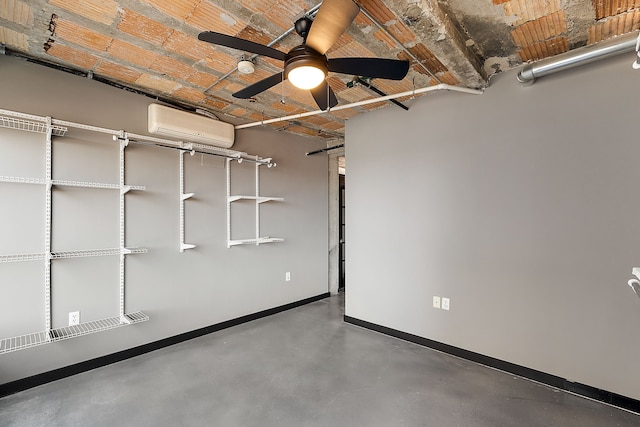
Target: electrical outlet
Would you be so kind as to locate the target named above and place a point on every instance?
(287, 276)
(445, 303)
(436, 302)
(74, 318)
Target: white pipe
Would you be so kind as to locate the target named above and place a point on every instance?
(441, 86)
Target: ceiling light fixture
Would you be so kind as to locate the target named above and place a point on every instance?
(306, 77)
(305, 68)
(246, 67)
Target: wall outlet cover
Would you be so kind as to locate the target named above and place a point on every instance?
(445, 303)
(287, 276)
(74, 318)
(436, 302)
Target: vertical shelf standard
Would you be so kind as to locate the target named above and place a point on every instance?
(183, 196)
(124, 189)
(47, 231)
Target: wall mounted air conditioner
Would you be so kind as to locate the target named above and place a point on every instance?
(189, 127)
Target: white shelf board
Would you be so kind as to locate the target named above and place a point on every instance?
(64, 183)
(70, 254)
(242, 242)
(260, 199)
(21, 180)
(22, 257)
(259, 241)
(39, 338)
(270, 240)
(86, 184)
(30, 126)
(96, 252)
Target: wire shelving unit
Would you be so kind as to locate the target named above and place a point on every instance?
(46, 126)
(52, 127)
(258, 200)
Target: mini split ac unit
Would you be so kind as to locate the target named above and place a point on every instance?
(189, 127)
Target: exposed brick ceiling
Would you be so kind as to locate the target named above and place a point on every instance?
(152, 45)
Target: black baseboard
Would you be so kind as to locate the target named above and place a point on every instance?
(67, 371)
(605, 396)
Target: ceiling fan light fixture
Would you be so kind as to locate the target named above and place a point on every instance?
(307, 65)
(305, 68)
(306, 76)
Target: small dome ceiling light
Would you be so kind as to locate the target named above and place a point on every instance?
(245, 66)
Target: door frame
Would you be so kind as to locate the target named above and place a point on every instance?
(334, 220)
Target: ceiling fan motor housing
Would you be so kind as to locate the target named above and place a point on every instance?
(303, 55)
(302, 26)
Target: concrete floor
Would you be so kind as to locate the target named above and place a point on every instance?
(304, 367)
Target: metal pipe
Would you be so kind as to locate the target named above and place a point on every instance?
(324, 150)
(441, 86)
(395, 39)
(576, 57)
(381, 93)
(243, 157)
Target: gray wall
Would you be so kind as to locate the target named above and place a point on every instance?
(521, 205)
(179, 291)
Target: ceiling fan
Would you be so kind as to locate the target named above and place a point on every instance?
(307, 65)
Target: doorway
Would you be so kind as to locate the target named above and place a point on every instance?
(341, 235)
(337, 221)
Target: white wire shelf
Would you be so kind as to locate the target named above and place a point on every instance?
(30, 126)
(22, 257)
(259, 241)
(64, 183)
(21, 180)
(70, 254)
(21, 342)
(86, 184)
(260, 199)
(96, 252)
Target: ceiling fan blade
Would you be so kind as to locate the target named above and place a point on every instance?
(332, 19)
(324, 96)
(259, 86)
(381, 68)
(240, 44)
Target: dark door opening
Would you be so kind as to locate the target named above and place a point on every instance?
(341, 246)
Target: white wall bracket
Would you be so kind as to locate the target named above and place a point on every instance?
(635, 282)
